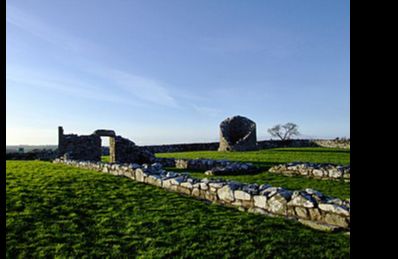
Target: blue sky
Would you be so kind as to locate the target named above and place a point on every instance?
(170, 71)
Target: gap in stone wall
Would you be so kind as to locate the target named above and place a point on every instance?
(105, 150)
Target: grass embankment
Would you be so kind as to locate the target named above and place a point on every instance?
(269, 157)
(58, 211)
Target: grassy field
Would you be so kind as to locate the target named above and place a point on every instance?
(270, 157)
(275, 156)
(58, 211)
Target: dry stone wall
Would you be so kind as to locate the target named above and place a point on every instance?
(313, 170)
(263, 144)
(88, 147)
(216, 167)
(126, 151)
(81, 147)
(308, 206)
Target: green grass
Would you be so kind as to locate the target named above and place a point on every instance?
(105, 159)
(57, 211)
(270, 157)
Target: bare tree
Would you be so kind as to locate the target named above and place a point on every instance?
(284, 132)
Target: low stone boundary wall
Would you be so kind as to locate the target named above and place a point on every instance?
(313, 170)
(308, 206)
(45, 155)
(263, 144)
(167, 148)
(216, 167)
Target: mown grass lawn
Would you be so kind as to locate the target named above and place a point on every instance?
(58, 211)
(270, 157)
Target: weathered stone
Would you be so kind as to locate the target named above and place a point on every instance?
(247, 203)
(242, 195)
(178, 180)
(260, 201)
(271, 191)
(88, 148)
(105, 133)
(210, 196)
(216, 185)
(277, 204)
(226, 193)
(317, 172)
(301, 212)
(251, 189)
(337, 220)
(151, 179)
(183, 190)
(315, 214)
(323, 171)
(335, 173)
(202, 194)
(302, 201)
(187, 185)
(140, 175)
(195, 192)
(335, 201)
(168, 183)
(204, 186)
(290, 212)
(285, 194)
(334, 209)
(237, 134)
(196, 185)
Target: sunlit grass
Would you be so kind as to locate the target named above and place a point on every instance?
(53, 210)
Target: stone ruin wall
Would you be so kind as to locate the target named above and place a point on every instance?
(308, 206)
(314, 170)
(84, 147)
(88, 147)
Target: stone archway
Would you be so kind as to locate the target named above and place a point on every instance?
(111, 134)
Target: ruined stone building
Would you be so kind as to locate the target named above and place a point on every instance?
(238, 133)
(88, 147)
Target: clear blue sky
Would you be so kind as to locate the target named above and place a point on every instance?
(170, 71)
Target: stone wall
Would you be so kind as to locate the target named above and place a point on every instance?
(182, 147)
(333, 143)
(126, 152)
(264, 144)
(81, 147)
(308, 206)
(216, 167)
(42, 154)
(313, 170)
(88, 147)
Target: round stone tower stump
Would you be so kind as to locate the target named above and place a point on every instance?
(238, 133)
